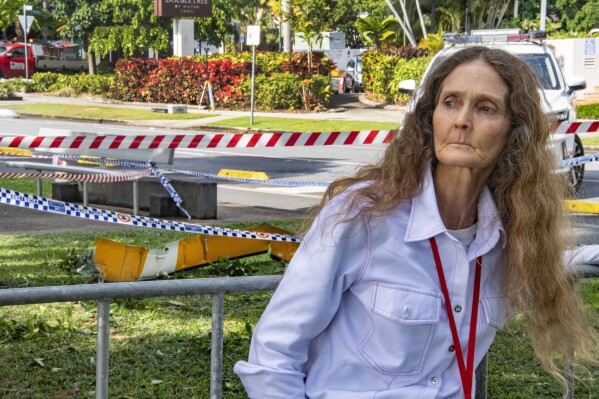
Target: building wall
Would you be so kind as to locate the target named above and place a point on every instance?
(578, 57)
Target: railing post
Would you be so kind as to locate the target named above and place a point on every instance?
(40, 191)
(216, 353)
(135, 197)
(102, 345)
(85, 194)
(481, 378)
(568, 392)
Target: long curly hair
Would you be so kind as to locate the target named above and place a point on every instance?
(528, 193)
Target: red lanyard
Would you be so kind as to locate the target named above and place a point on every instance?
(466, 373)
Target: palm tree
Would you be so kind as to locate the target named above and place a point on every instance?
(378, 33)
(449, 18)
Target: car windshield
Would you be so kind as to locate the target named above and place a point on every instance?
(540, 64)
(3, 49)
(544, 69)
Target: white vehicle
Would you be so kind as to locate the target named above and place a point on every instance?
(558, 92)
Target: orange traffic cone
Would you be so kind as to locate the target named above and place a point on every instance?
(341, 87)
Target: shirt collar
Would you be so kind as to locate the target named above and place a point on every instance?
(425, 221)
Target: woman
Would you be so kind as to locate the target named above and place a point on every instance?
(412, 265)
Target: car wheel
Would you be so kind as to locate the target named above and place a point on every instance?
(576, 174)
(346, 87)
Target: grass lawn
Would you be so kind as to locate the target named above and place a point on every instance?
(594, 141)
(160, 347)
(27, 186)
(304, 125)
(92, 111)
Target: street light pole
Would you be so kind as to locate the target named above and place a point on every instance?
(25, 9)
(543, 14)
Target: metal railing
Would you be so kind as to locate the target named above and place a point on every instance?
(104, 293)
(216, 287)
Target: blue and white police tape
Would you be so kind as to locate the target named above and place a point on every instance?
(15, 198)
(580, 160)
(167, 185)
(150, 165)
(118, 162)
(273, 182)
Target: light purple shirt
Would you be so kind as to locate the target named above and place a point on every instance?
(360, 314)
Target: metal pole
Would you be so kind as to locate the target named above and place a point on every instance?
(25, 36)
(481, 378)
(39, 186)
(543, 14)
(135, 197)
(287, 4)
(253, 73)
(85, 194)
(516, 9)
(216, 353)
(102, 345)
(568, 391)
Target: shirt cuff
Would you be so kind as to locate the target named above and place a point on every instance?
(266, 383)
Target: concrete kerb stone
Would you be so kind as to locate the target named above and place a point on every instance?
(72, 118)
(364, 100)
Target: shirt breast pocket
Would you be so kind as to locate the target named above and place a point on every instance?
(497, 312)
(402, 324)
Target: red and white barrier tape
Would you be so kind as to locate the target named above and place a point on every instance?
(577, 127)
(231, 140)
(89, 178)
(11, 154)
(209, 140)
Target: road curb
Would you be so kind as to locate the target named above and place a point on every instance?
(72, 118)
(219, 129)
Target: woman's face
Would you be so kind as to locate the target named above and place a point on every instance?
(470, 122)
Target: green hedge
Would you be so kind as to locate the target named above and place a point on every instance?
(590, 111)
(79, 83)
(382, 72)
(286, 91)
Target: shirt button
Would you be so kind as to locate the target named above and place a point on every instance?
(434, 380)
(451, 348)
(457, 308)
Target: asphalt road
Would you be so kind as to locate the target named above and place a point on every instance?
(240, 202)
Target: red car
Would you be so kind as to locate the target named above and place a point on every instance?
(12, 60)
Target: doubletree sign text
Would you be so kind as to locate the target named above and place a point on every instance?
(183, 8)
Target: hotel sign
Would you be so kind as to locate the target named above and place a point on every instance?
(183, 8)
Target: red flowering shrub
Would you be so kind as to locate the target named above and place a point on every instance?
(181, 80)
(298, 64)
(130, 78)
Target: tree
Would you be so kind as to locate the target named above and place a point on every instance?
(578, 15)
(450, 18)
(132, 26)
(9, 11)
(80, 18)
(376, 32)
(219, 27)
(309, 18)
